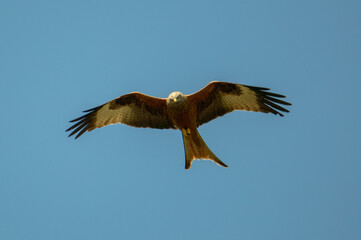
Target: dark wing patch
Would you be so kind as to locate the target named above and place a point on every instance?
(133, 109)
(210, 98)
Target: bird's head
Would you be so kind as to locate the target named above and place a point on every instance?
(175, 97)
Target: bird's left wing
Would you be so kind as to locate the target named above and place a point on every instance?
(219, 98)
(134, 109)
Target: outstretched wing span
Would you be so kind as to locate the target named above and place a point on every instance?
(219, 98)
(134, 109)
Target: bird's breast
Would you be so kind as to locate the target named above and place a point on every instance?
(182, 115)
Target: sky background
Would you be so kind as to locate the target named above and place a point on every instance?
(297, 177)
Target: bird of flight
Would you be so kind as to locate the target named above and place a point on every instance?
(184, 112)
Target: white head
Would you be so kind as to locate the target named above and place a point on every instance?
(175, 97)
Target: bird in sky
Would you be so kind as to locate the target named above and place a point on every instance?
(184, 112)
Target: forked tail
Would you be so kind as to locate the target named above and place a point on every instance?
(196, 148)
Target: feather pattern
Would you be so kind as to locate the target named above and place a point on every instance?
(134, 109)
(219, 98)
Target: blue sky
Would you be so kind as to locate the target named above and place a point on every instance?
(296, 177)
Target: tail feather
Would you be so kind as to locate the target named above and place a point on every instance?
(196, 148)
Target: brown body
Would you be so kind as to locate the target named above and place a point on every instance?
(183, 115)
(184, 112)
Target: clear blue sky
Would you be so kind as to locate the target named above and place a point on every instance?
(297, 177)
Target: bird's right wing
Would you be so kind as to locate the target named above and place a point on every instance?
(134, 109)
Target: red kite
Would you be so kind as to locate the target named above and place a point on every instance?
(184, 112)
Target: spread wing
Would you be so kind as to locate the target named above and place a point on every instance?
(134, 109)
(219, 98)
